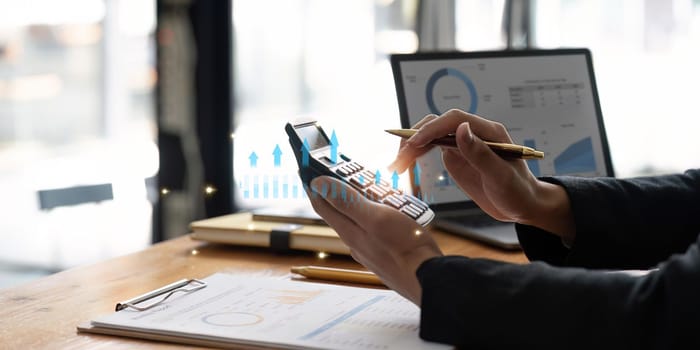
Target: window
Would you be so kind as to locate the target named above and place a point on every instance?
(76, 109)
(645, 54)
(320, 59)
(326, 60)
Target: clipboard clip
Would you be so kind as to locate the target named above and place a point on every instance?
(184, 286)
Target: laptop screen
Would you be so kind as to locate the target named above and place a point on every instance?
(547, 99)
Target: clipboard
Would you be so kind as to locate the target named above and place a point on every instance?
(168, 291)
(225, 311)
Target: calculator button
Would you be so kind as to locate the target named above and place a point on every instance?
(403, 199)
(393, 201)
(386, 191)
(368, 174)
(355, 180)
(417, 202)
(410, 212)
(377, 192)
(344, 157)
(374, 193)
(342, 171)
(416, 208)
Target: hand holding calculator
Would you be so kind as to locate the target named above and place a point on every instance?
(315, 157)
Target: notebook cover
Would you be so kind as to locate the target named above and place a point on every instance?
(242, 229)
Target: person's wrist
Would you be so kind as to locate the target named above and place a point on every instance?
(413, 260)
(550, 211)
(532, 207)
(420, 254)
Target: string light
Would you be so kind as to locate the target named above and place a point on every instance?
(233, 136)
(164, 191)
(194, 252)
(322, 255)
(418, 232)
(209, 190)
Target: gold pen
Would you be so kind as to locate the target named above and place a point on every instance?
(338, 275)
(507, 150)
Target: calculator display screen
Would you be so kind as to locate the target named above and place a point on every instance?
(313, 136)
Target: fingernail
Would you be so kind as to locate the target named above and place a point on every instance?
(469, 136)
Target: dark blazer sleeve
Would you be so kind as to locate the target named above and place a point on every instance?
(482, 304)
(622, 223)
(634, 223)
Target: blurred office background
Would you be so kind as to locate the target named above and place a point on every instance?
(123, 120)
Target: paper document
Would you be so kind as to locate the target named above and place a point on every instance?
(282, 313)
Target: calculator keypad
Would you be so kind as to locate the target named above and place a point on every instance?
(348, 169)
(380, 191)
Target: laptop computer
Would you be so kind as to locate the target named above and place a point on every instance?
(547, 99)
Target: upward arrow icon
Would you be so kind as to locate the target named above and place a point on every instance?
(253, 159)
(305, 153)
(395, 180)
(416, 175)
(334, 148)
(278, 155)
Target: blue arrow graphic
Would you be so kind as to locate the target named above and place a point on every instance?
(266, 186)
(253, 159)
(334, 147)
(395, 180)
(246, 192)
(256, 187)
(278, 155)
(305, 153)
(377, 177)
(275, 186)
(416, 175)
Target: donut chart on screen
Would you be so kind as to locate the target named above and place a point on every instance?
(450, 72)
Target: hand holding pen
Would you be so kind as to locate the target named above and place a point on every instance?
(502, 186)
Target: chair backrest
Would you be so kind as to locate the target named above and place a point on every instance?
(61, 197)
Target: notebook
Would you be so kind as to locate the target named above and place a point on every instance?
(278, 235)
(546, 98)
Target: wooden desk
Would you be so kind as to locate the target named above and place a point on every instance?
(44, 313)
